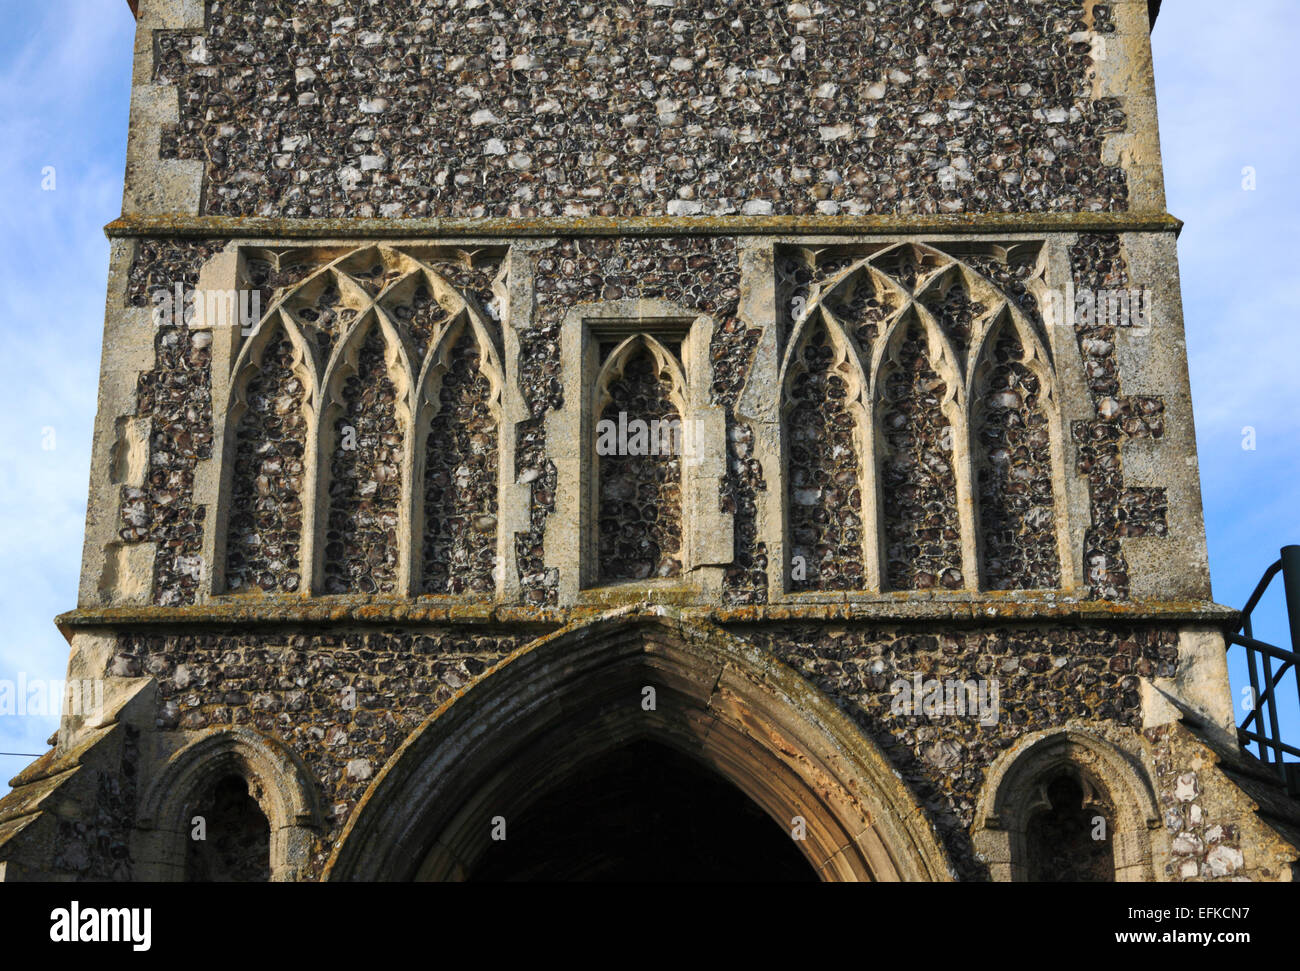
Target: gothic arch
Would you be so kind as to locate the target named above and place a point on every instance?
(409, 306)
(664, 389)
(577, 693)
(1014, 791)
(1017, 460)
(276, 778)
(462, 370)
(832, 470)
(271, 363)
(362, 526)
(891, 307)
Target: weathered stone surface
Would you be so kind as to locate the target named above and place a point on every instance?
(758, 107)
(836, 238)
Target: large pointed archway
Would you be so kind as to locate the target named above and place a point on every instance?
(580, 694)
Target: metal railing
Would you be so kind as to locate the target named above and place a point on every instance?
(1260, 728)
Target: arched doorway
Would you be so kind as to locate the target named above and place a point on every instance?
(571, 704)
(644, 813)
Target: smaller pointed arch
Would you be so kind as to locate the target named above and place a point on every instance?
(458, 462)
(955, 300)
(365, 462)
(640, 404)
(414, 307)
(827, 452)
(375, 268)
(862, 302)
(273, 778)
(910, 265)
(1028, 826)
(324, 308)
(919, 419)
(1015, 462)
(269, 425)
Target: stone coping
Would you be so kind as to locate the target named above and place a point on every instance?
(354, 610)
(257, 227)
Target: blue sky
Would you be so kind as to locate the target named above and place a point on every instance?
(1224, 78)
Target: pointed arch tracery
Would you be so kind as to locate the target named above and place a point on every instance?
(379, 344)
(826, 422)
(930, 336)
(640, 404)
(270, 418)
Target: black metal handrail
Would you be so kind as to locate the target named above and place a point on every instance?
(1260, 727)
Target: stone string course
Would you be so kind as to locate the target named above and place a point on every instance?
(440, 107)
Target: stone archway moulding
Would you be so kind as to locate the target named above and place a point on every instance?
(276, 778)
(577, 693)
(1012, 794)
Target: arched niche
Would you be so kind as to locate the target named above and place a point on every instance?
(641, 408)
(275, 777)
(1016, 792)
(916, 329)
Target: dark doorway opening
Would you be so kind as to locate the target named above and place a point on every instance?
(236, 843)
(644, 813)
(1071, 841)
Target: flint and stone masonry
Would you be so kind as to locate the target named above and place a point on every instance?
(927, 573)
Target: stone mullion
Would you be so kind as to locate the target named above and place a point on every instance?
(863, 438)
(968, 508)
(981, 350)
(214, 480)
(868, 479)
(944, 358)
(410, 530)
(315, 491)
(514, 291)
(877, 566)
(403, 582)
(959, 419)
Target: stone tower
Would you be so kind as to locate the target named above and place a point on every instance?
(673, 435)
